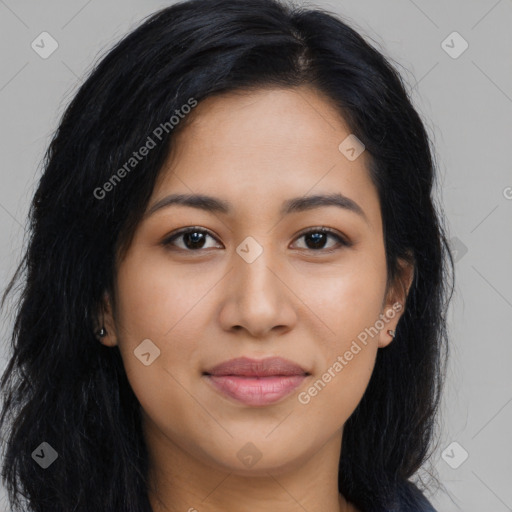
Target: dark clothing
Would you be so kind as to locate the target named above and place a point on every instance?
(409, 499)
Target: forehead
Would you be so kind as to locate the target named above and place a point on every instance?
(285, 121)
(265, 146)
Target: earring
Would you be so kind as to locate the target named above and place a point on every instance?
(391, 333)
(101, 333)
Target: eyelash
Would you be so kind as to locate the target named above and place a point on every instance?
(341, 240)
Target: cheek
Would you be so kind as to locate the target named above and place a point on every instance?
(165, 387)
(348, 302)
(157, 299)
(334, 395)
(346, 362)
(347, 298)
(155, 304)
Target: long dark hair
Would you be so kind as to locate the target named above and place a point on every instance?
(61, 386)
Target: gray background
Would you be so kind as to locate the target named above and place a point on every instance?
(466, 103)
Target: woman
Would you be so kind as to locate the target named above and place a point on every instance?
(235, 287)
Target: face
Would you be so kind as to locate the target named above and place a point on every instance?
(205, 285)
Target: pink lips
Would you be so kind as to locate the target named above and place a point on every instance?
(256, 382)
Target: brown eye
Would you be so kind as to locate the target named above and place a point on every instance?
(193, 239)
(316, 239)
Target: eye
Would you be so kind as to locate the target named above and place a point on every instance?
(316, 238)
(194, 239)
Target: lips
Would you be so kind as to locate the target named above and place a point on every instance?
(268, 367)
(256, 382)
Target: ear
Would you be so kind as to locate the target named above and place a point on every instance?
(394, 302)
(106, 319)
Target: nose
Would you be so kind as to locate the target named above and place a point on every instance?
(257, 297)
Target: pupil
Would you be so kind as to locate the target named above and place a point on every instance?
(194, 238)
(317, 239)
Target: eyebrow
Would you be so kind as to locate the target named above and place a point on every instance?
(294, 205)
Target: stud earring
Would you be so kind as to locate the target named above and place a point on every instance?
(101, 333)
(391, 333)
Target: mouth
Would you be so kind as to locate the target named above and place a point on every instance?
(256, 382)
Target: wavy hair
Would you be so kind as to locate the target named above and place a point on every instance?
(62, 387)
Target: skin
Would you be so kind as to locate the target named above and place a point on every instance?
(207, 305)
